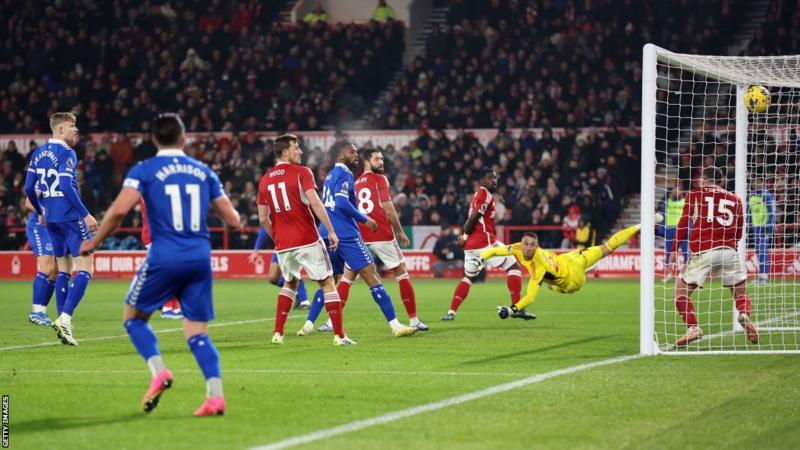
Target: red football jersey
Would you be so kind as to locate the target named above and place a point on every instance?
(282, 189)
(145, 228)
(717, 219)
(372, 189)
(483, 235)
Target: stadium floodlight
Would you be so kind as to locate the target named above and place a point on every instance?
(741, 115)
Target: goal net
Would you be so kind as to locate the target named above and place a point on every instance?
(694, 115)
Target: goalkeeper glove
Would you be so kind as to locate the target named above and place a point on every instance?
(504, 312)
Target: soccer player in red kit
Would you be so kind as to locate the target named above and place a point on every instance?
(172, 308)
(479, 236)
(287, 195)
(374, 200)
(717, 225)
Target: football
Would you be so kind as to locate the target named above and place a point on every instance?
(757, 99)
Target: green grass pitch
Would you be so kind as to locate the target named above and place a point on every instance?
(88, 397)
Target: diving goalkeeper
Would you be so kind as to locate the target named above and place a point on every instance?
(564, 273)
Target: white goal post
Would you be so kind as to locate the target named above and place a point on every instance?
(694, 116)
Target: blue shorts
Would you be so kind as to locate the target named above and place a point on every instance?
(190, 281)
(274, 257)
(337, 263)
(354, 252)
(68, 236)
(39, 238)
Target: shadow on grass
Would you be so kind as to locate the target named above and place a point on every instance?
(50, 424)
(536, 350)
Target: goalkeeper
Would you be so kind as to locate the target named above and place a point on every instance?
(564, 273)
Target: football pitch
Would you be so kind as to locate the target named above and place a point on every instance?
(569, 379)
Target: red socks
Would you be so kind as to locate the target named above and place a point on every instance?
(514, 283)
(333, 304)
(173, 304)
(461, 293)
(686, 310)
(343, 288)
(743, 304)
(407, 295)
(285, 301)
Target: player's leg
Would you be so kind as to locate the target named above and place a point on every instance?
(333, 305)
(358, 258)
(408, 296)
(393, 259)
(285, 301)
(337, 267)
(317, 305)
(762, 251)
(693, 277)
(198, 309)
(43, 286)
(383, 300)
(302, 296)
(616, 240)
(733, 276)
(472, 267)
(148, 291)
(63, 262)
(76, 232)
(319, 267)
(744, 306)
(144, 340)
(344, 284)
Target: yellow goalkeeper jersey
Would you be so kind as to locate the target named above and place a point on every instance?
(545, 267)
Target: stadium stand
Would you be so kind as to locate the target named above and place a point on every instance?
(520, 64)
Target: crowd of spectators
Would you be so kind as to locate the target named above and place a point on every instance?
(541, 178)
(532, 63)
(235, 68)
(223, 67)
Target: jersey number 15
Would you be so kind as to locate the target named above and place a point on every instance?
(722, 213)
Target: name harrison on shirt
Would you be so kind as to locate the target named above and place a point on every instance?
(176, 168)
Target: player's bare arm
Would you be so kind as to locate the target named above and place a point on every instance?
(125, 201)
(394, 220)
(322, 215)
(226, 211)
(263, 219)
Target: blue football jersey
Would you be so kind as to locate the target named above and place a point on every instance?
(49, 163)
(341, 183)
(177, 192)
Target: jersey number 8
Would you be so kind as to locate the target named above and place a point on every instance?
(365, 204)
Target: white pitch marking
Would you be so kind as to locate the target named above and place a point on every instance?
(120, 336)
(276, 372)
(428, 407)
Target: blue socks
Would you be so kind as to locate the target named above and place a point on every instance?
(205, 354)
(62, 288)
(316, 306)
(383, 300)
(76, 290)
(281, 281)
(142, 337)
(42, 289)
(302, 294)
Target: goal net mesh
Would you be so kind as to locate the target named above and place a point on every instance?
(696, 127)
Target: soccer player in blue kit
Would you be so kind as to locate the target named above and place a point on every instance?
(44, 283)
(178, 191)
(52, 175)
(339, 198)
